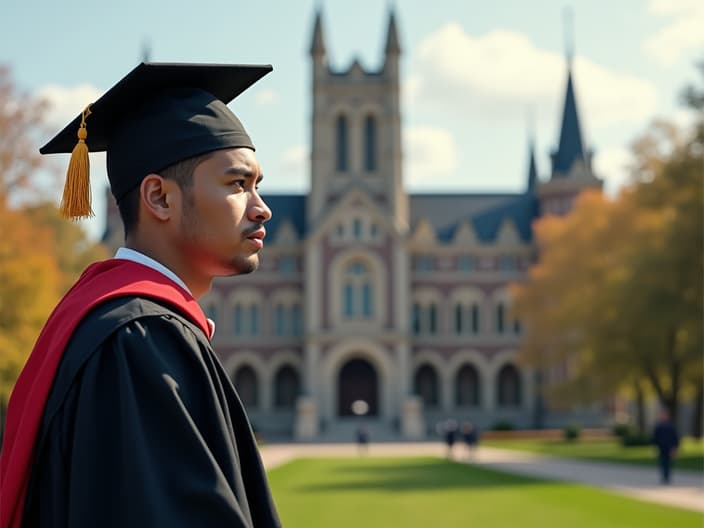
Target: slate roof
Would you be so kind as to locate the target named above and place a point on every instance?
(445, 212)
(571, 146)
(286, 206)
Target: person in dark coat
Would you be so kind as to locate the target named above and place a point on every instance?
(123, 415)
(667, 441)
(450, 435)
(470, 435)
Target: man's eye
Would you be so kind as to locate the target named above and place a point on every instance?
(238, 183)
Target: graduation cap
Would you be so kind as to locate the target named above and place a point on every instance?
(157, 115)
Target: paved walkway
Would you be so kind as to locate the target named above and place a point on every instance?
(686, 490)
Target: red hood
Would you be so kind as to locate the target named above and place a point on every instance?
(98, 283)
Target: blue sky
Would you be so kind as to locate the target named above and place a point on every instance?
(478, 77)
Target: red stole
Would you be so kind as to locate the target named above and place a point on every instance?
(98, 283)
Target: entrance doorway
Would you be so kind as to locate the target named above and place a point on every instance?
(357, 380)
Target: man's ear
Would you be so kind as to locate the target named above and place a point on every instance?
(156, 194)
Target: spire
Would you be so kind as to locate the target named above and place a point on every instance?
(532, 168)
(317, 47)
(571, 146)
(392, 45)
(146, 50)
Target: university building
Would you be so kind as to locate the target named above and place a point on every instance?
(367, 292)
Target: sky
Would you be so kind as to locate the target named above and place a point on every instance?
(480, 80)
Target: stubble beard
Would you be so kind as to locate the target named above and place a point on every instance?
(238, 265)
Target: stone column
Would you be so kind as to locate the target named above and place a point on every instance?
(306, 427)
(412, 421)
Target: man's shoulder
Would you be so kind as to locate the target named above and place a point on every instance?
(119, 315)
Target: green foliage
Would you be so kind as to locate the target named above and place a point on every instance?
(377, 492)
(503, 425)
(621, 429)
(633, 439)
(571, 433)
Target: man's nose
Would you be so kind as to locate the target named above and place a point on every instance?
(259, 211)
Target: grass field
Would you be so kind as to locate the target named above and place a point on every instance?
(691, 453)
(370, 492)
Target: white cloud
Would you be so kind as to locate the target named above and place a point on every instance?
(65, 103)
(501, 74)
(429, 153)
(613, 165)
(266, 97)
(684, 30)
(294, 160)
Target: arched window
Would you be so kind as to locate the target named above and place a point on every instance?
(500, 318)
(466, 319)
(358, 292)
(475, 319)
(433, 319)
(254, 320)
(245, 320)
(247, 386)
(286, 387)
(280, 320)
(509, 386)
(415, 319)
(424, 318)
(459, 319)
(357, 228)
(370, 144)
(296, 320)
(425, 385)
(467, 389)
(341, 144)
(238, 320)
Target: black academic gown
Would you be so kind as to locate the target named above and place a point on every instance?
(143, 428)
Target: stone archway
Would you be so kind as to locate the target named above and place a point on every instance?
(357, 380)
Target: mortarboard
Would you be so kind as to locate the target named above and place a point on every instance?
(155, 116)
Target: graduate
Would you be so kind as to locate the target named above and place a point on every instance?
(123, 415)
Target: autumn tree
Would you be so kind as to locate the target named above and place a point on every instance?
(20, 119)
(616, 299)
(41, 254)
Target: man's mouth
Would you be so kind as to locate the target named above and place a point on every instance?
(257, 237)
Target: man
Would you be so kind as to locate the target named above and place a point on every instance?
(667, 441)
(123, 416)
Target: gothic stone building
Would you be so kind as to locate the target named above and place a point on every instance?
(367, 292)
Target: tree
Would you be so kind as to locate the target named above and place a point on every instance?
(20, 118)
(72, 249)
(40, 253)
(29, 288)
(617, 296)
(569, 300)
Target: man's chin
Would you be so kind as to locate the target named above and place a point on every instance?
(244, 265)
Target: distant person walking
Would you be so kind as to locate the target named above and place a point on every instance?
(450, 435)
(362, 439)
(470, 435)
(667, 441)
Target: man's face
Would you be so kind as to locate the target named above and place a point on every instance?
(222, 220)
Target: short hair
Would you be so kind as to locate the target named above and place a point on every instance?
(181, 172)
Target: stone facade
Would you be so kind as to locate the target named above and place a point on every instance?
(369, 293)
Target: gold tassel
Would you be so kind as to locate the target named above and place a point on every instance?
(75, 203)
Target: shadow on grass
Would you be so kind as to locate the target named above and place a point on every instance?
(419, 475)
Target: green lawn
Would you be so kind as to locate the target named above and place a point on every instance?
(691, 455)
(370, 492)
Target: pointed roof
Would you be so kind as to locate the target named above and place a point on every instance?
(392, 45)
(317, 46)
(571, 146)
(532, 168)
